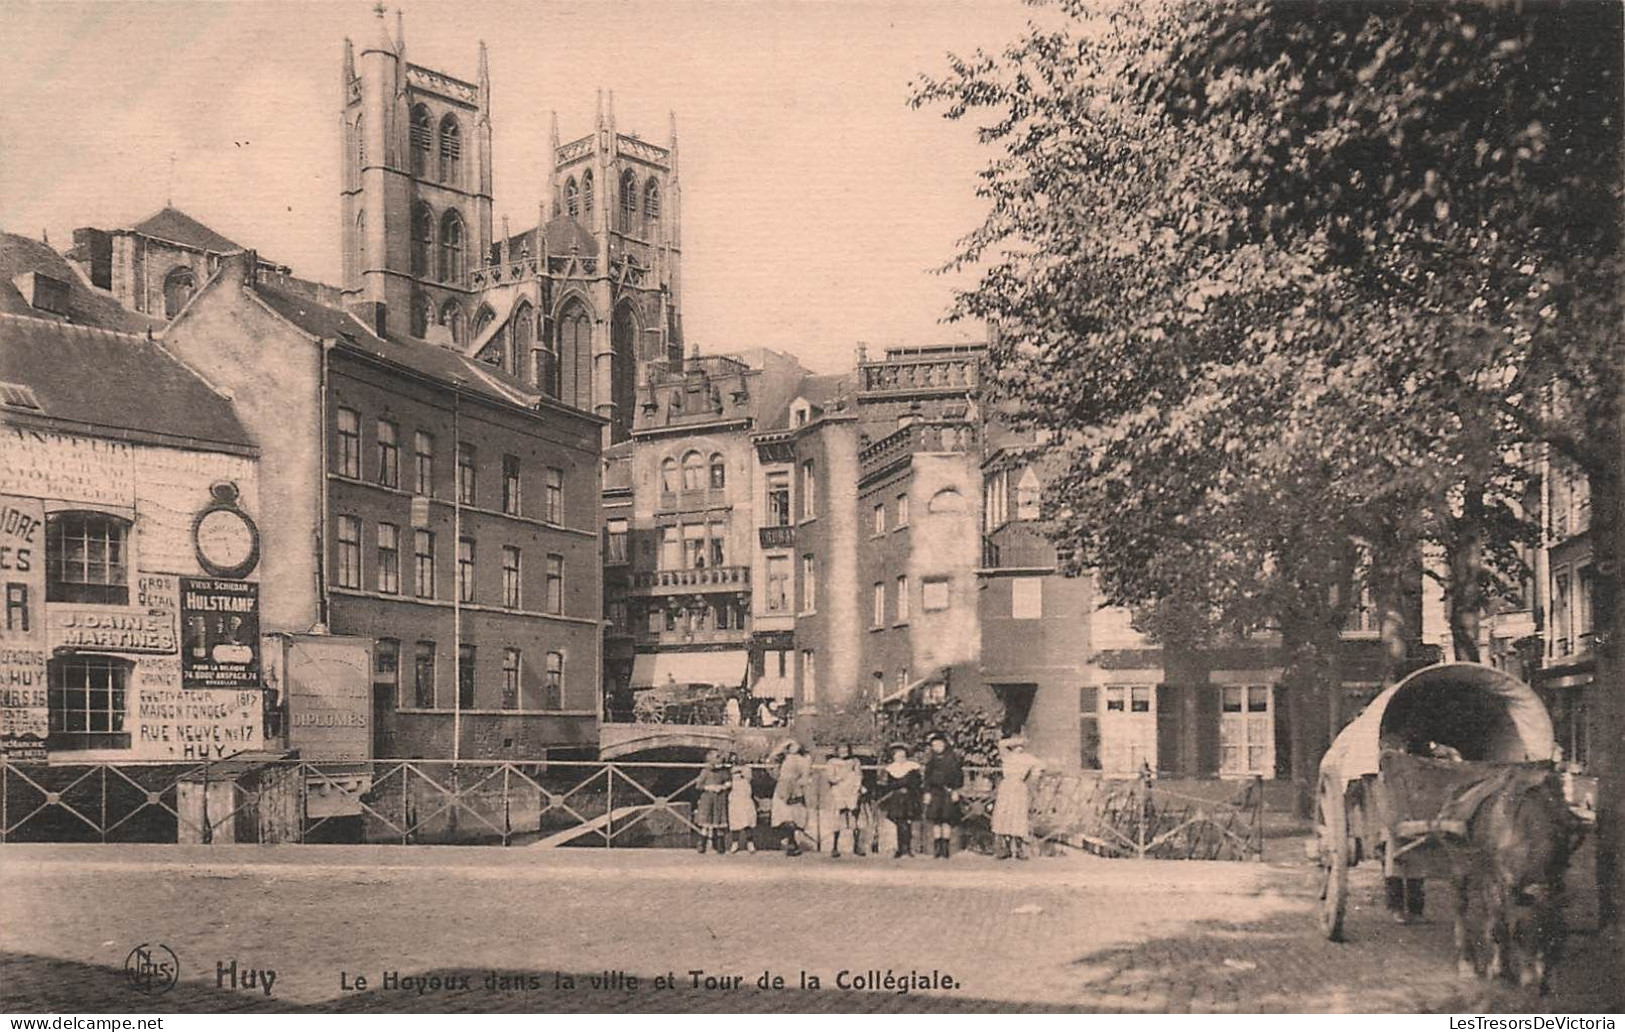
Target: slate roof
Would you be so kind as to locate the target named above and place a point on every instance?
(177, 226)
(431, 360)
(20, 255)
(113, 381)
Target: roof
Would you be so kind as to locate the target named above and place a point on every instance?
(820, 389)
(176, 226)
(431, 360)
(565, 233)
(1482, 712)
(112, 380)
(20, 255)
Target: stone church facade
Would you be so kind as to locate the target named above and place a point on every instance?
(578, 304)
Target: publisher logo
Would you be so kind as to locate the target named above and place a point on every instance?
(151, 969)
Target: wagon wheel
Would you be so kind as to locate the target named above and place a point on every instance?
(1334, 863)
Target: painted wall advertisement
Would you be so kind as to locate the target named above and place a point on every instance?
(220, 622)
(328, 681)
(24, 712)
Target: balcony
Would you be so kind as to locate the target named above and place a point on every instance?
(689, 582)
(776, 537)
(896, 447)
(710, 636)
(946, 374)
(1016, 546)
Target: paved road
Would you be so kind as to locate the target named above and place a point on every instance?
(1076, 933)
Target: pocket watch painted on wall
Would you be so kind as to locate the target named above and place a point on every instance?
(227, 541)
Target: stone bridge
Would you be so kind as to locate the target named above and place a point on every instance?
(751, 743)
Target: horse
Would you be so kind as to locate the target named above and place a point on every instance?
(1520, 834)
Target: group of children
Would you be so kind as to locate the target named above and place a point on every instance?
(851, 802)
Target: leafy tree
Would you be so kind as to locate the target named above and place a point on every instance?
(1284, 278)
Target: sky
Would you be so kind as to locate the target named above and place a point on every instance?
(816, 202)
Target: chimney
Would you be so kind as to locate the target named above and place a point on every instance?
(863, 352)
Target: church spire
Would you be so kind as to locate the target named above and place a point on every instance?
(485, 84)
(671, 140)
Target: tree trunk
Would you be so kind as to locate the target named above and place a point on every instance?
(1608, 710)
(1312, 678)
(1465, 596)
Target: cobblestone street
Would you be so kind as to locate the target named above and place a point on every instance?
(1061, 933)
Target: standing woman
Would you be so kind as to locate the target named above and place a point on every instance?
(790, 795)
(845, 776)
(899, 797)
(711, 814)
(942, 778)
(1018, 770)
(742, 813)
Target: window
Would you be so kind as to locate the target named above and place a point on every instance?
(465, 676)
(572, 197)
(586, 193)
(423, 552)
(629, 201)
(386, 673)
(554, 502)
(451, 247)
(511, 593)
(451, 150)
(995, 503)
(778, 500)
(693, 472)
(809, 678)
(809, 490)
(877, 615)
(934, 594)
(651, 208)
(422, 138)
(17, 607)
(719, 538)
(1029, 495)
(902, 510)
(1128, 729)
(511, 500)
(389, 454)
(465, 474)
(348, 438)
(555, 584)
(510, 678)
(671, 549)
(85, 697)
(423, 687)
(878, 525)
(179, 286)
(719, 473)
(422, 243)
(1246, 730)
(668, 476)
(694, 546)
(1027, 598)
(423, 462)
(348, 574)
(1562, 605)
(809, 583)
(389, 558)
(615, 541)
(86, 558)
(554, 685)
(465, 569)
(902, 600)
(778, 583)
(451, 317)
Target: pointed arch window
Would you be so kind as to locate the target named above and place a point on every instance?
(572, 198)
(575, 356)
(586, 193)
(451, 247)
(693, 472)
(422, 238)
(451, 317)
(360, 145)
(179, 286)
(629, 201)
(482, 319)
(422, 138)
(651, 207)
(451, 150)
(361, 242)
(521, 326)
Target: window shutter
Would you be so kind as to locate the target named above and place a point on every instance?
(1207, 729)
(1283, 732)
(1168, 725)
(1089, 727)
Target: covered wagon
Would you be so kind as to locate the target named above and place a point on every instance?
(1396, 785)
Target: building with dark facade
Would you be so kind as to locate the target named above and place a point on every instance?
(426, 501)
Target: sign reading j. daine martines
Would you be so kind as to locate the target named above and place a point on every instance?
(220, 622)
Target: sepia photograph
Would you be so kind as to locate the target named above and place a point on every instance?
(842, 507)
